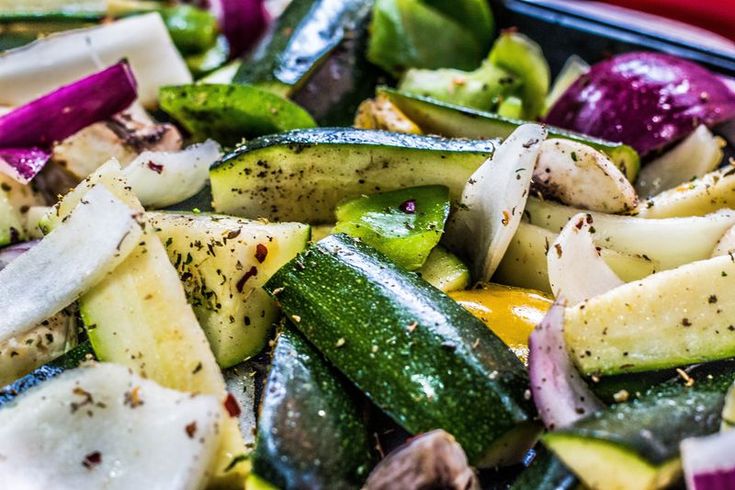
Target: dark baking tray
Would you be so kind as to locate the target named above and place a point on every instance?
(562, 31)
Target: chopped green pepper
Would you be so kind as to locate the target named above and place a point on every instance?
(229, 113)
(405, 224)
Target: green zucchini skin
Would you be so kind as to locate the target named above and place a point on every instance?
(546, 472)
(415, 352)
(311, 432)
(653, 425)
(303, 175)
(302, 39)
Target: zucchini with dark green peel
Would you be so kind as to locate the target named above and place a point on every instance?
(453, 121)
(231, 113)
(303, 175)
(311, 432)
(431, 363)
(303, 38)
(546, 472)
(635, 445)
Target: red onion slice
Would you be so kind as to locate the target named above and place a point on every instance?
(242, 22)
(22, 164)
(559, 392)
(709, 462)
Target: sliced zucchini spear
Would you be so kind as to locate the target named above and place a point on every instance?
(493, 200)
(303, 175)
(672, 318)
(635, 445)
(428, 356)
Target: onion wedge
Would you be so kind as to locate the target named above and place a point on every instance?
(99, 234)
(559, 392)
(580, 176)
(493, 200)
(161, 179)
(699, 153)
(22, 164)
(576, 269)
(38, 68)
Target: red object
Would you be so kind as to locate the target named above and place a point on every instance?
(714, 15)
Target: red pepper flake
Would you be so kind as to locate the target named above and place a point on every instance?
(155, 167)
(231, 405)
(408, 207)
(132, 398)
(191, 429)
(92, 459)
(241, 283)
(261, 252)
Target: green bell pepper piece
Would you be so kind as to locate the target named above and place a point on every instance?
(405, 224)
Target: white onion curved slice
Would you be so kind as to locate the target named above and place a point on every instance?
(576, 269)
(161, 179)
(559, 392)
(493, 200)
(98, 235)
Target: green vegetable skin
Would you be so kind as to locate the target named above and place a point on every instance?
(405, 224)
(415, 352)
(631, 445)
(311, 432)
(302, 39)
(429, 34)
(192, 30)
(229, 113)
(303, 175)
(437, 117)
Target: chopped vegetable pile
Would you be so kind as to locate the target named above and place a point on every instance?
(374, 244)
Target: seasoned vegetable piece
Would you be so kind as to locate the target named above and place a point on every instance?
(222, 263)
(453, 121)
(429, 34)
(546, 473)
(445, 271)
(672, 318)
(523, 58)
(429, 357)
(303, 38)
(511, 313)
(635, 445)
(105, 427)
(311, 432)
(231, 113)
(405, 224)
(303, 175)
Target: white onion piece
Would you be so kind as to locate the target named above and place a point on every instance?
(104, 427)
(42, 66)
(577, 271)
(700, 153)
(709, 462)
(574, 67)
(493, 200)
(726, 245)
(580, 176)
(161, 179)
(668, 242)
(98, 235)
(559, 392)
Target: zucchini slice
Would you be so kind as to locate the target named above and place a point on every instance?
(453, 121)
(432, 364)
(635, 445)
(303, 175)
(302, 39)
(311, 432)
(672, 318)
(222, 262)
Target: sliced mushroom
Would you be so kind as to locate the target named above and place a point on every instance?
(431, 460)
(381, 113)
(580, 176)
